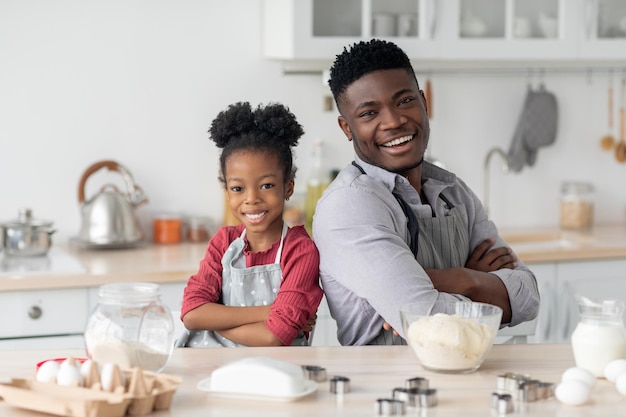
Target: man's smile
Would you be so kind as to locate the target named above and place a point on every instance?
(398, 141)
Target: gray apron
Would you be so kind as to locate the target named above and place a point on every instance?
(443, 243)
(246, 287)
(437, 242)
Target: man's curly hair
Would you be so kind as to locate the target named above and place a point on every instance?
(272, 129)
(363, 58)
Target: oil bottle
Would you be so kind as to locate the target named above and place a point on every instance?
(317, 182)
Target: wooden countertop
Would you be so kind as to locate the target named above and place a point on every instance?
(155, 263)
(175, 263)
(555, 245)
(373, 372)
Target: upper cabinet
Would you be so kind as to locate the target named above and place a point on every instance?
(438, 30)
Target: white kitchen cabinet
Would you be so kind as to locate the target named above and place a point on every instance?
(596, 279)
(603, 33)
(451, 30)
(546, 282)
(43, 319)
(559, 282)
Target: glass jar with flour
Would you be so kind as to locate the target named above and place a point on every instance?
(130, 326)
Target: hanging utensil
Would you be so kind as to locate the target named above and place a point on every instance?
(620, 149)
(428, 93)
(608, 141)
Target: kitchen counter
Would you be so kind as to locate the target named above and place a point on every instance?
(373, 372)
(534, 245)
(175, 263)
(71, 267)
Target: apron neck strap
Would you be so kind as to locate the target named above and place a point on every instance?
(280, 247)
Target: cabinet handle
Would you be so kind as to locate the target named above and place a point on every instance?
(35, 312)
(433, 18)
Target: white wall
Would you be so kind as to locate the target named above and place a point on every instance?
(140, 81)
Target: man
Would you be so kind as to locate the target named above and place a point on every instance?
(393, 229)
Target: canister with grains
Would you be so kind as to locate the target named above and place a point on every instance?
(576, 205)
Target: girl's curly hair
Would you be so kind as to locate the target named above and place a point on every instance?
(272, 129)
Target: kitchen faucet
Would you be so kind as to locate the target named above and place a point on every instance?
(505, 169)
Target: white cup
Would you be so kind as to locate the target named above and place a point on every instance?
(407, 24)
(521, 27)
(384, 24)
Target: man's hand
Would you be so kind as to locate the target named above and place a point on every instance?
(388, 327)
(487, 260)
(308, 327)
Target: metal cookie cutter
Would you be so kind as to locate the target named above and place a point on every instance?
(389, 407)
(510, 381)
(545, 390)
(339, 385)
(502, 403)
(314, 373)
(417, 382)
(427, 397)
(527, 391)
(409, 395)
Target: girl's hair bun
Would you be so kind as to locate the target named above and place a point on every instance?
(232, 122)
(272, 125)
(279, 124)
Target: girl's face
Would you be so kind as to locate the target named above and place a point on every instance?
(257, 190)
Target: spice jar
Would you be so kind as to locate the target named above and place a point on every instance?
(130, 326)
(167, 228)
(198, 229)
(576, 205)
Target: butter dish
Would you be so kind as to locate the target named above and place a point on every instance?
(259, 378)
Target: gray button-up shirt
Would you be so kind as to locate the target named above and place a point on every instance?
(366, 267)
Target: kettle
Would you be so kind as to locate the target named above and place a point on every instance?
(108, 217)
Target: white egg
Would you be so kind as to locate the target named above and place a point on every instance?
(110, 375)
(69, 374)
(579, 374)
(614, 369)
(85, 367)
(620, 384)
(47, 371)
(572, 392)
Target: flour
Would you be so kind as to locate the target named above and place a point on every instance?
(449, 342)
(126, 354)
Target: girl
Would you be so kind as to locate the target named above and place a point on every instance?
(258, 284)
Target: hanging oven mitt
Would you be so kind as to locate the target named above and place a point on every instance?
(541, 121)
(536, 128)
(518, 152)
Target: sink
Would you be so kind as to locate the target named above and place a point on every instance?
(547, 240)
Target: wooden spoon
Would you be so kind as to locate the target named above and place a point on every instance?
(607, 142)
(428, 93)
(620, 149)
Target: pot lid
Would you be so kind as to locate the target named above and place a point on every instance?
(25, 218)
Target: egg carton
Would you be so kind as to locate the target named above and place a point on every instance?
(145, 392)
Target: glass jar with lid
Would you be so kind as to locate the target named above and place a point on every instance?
(576, 205)
(130, 326)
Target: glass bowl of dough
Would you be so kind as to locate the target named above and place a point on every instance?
(450, 337)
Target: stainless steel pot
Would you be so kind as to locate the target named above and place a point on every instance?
(26, 236)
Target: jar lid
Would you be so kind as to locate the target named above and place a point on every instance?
(575, 187)
(129, 291)
(25, 219)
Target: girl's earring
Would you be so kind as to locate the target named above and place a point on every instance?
(287, 199)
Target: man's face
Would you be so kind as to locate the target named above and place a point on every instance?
(384, 114)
